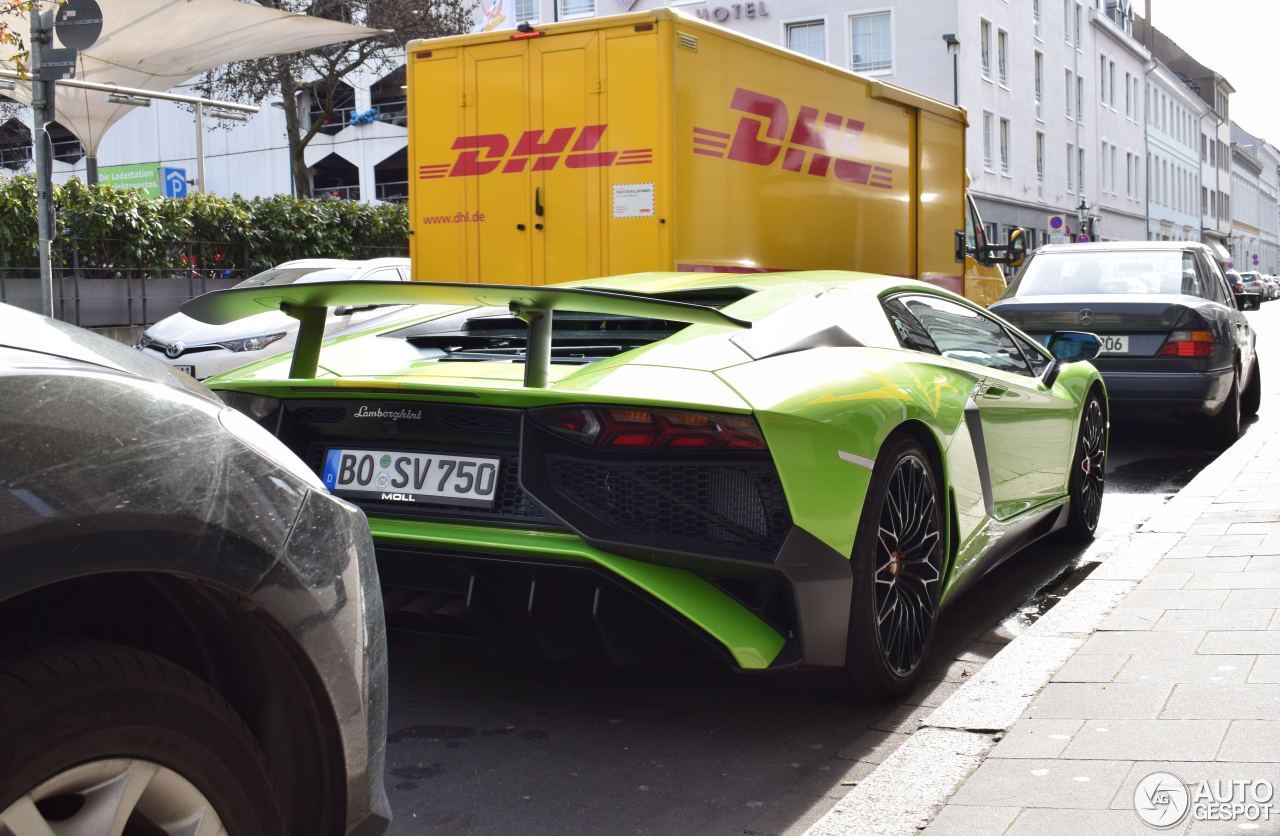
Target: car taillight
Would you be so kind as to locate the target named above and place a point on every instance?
(641, 428)
(1188, 344)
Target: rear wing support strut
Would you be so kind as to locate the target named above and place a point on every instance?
(306, 352)
(537, 353)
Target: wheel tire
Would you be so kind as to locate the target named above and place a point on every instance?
(1224, 428)
(1088, 476)
(1251, 398)
(66, 707)
(894, 606)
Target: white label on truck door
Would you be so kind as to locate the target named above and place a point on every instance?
(633, 200)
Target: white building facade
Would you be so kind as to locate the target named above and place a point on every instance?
(1255, 203)
(1174, 115)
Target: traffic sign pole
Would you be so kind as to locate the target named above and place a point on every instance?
(42, 93)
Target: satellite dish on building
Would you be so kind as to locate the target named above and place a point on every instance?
(79, 23)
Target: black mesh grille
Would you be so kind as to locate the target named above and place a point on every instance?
(738, 506)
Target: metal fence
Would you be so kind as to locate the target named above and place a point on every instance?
(93, 295)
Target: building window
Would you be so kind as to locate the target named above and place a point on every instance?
(1039, 85)
(808, 38)
(1102, 78)
(1079, 28)
(1111, 84)
(526, 10)
(1071, 179)
(988, 141)
(985, 47)
(872, 43)
(1079, 99)
(1115, 189)
(1102, 156)
(1004, 145)
(1128, 175)
(1066, 20)
(576, 8)
(1002, 49)
(1035, 20)
(1204, 200)
(1040, 164)
(1080, 168)
(1068, 97)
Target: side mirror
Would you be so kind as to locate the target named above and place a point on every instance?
(1013, 253)
(1017, 251)
(1074, 346)
(1069, 347)
(1247, 301)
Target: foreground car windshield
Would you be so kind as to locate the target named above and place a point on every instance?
(1168, 272)
(289, 275)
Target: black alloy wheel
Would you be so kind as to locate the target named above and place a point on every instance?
(909, 558)
(1088, 478)
(898, 561)
(1251, 397)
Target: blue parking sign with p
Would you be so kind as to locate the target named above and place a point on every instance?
(174, 181)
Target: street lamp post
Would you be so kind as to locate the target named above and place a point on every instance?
(953, 49)
(1082, 215)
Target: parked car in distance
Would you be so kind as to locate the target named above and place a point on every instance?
(203, 350)
(1174, 338)
(1253, 282)
(1272, 286)
(765, 459)
(191, 627)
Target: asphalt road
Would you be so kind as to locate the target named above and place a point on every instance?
(684, 746)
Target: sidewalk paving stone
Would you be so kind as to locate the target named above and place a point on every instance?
(1037, 739)
(1222, 701)
(1096, 667)
(1045, 782)
(1252, 740)
(1197, 668)
(1132, 643)
(1148, 739)
(1078, 823)
(1266, 670)
(1215, 620)
(966, 821)
(1241, 641)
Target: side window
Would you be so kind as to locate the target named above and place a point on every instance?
(405, 275)
(975, 236)
(386, 274)
(962, 333)
(1035, 357)
(1218, 280)
(907, 328)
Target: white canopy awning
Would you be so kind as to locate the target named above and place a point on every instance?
(157, 44)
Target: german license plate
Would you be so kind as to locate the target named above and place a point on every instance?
(397, 476)
(191, 370)
(1114, 345)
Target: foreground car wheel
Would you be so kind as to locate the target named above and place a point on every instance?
(1251, 399)
(105, 739)
(1224, 428)
(1088, 473)
(897, 575)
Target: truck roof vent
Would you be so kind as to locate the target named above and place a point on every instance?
(689, 42)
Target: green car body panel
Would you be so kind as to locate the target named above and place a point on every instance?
(825, 411)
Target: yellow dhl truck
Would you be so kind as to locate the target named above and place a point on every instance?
(653, 142)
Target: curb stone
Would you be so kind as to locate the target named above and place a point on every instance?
(904, 793)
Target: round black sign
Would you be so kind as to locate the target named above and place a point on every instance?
(79, 23)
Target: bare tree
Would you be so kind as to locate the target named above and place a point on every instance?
(321, 71)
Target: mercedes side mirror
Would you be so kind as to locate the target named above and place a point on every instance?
(1070, 347)
(1247, 301)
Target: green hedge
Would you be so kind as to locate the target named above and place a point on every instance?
(110, 229)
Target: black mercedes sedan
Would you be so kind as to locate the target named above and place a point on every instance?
(1174, 337)
(191, 627)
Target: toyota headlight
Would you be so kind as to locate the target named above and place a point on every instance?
(252, 343)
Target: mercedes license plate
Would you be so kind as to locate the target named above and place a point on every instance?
(397, 476)
(1114, 345)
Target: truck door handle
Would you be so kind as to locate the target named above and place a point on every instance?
(520, 227)
(537, 202)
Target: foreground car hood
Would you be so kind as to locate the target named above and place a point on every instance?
(34, 333)
(184, 329)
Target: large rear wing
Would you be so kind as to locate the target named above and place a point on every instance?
(310, 303)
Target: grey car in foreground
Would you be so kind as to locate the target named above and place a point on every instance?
(1175, 339)
(191, 630)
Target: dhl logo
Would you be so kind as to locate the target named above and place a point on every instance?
(534, 150)
(828, 145)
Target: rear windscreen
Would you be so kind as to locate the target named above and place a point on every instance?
(1102, 272)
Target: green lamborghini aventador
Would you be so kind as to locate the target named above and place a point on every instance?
(802, 469)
